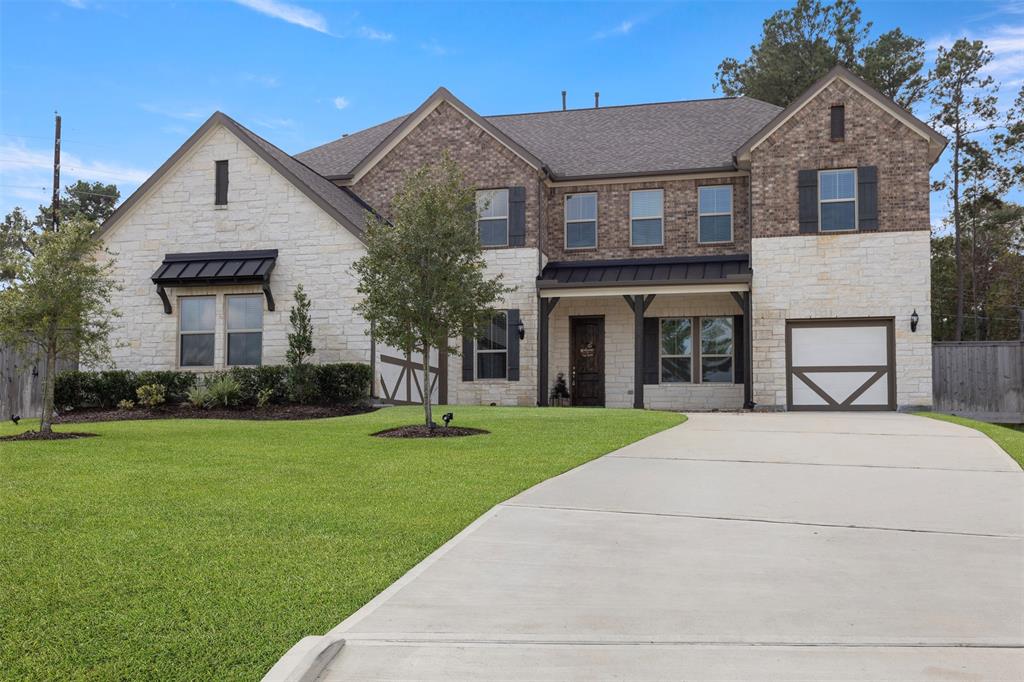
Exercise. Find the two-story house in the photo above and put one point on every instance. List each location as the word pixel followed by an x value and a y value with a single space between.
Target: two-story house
pixel 705 254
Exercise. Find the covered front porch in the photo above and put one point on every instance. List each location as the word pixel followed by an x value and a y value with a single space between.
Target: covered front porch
pixel 667 334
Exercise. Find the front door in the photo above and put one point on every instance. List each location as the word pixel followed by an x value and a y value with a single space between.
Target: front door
pixel 586 353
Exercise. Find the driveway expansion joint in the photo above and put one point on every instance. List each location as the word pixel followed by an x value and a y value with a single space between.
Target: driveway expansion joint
pixel 811 464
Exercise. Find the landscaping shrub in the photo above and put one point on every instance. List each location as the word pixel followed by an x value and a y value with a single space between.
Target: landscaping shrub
pixel 302 384
pixel 151 395
pixel 126 405
pixel 176 384
pixel 199 396
pixel 254 381
pixel 224 391
pixel 343 383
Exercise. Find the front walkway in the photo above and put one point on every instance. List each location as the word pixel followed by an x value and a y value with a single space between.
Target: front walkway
pixel 739 547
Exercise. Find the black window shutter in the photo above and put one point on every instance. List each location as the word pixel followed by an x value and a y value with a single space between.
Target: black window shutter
pixel 513 344
pixel 838 122
pixel 221 198
pixel 467 358
pixel 867 198
pixel 517 216
pixel 652 329
pixel 807 186
pixel 738 347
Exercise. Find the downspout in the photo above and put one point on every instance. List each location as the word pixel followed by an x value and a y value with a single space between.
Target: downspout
pixel 541 244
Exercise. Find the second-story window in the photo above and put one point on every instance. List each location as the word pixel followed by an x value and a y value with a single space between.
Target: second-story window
pixel 492 216
pixel 221 190
pixel 646 217
pixel 837 200
pixel 580 221
pixel 715 214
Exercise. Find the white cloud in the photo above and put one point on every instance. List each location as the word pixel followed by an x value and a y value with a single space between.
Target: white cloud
pixel 191 114
pixel 620 29
pixel 77 4
pixel 374 34
pixel 293 14
pixel 435 48
pixel 265 81
pixel 275 123
pixel 340 103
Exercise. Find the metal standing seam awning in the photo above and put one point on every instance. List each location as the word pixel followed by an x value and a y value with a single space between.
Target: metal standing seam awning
pixel 215 268
pixel 699 274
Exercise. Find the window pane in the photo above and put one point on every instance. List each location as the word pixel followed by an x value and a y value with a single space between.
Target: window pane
pixel 647 231
pixel 715 228
pixel 716 335
pixel 198 314
pixel 675 370
pixel 716 199
pixel 645 203
pixel 578 235
pixel 837 216
pixel 245 349
pixel 196 350
pixel 581 207
pixel 495 335
pixel 492 203
pixel 490 365
pixel 714 370
pixel 676 336
pixel 494 232
pixel 837 184
pixel 245 312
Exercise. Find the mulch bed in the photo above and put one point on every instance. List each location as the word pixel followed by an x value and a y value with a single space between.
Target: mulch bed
pixel 270 412
pixel 56 435
pixel 426 432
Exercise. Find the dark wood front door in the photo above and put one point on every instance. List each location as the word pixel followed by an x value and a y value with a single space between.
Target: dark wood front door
pixel 586 353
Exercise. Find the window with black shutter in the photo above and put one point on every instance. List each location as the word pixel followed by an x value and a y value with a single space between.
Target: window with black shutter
pixel 221 193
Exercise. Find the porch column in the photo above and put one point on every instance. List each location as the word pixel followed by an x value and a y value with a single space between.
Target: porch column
pixel 638 352
pixel 743 300
pixel 544 309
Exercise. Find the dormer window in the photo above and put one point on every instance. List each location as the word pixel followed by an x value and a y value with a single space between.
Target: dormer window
pixel 221 190
pixel 838 122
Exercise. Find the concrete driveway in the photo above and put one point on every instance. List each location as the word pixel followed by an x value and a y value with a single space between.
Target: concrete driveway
pixel 735 547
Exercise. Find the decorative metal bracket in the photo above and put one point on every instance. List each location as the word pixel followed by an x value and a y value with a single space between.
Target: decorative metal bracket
pixel 269 295
pixel 163 297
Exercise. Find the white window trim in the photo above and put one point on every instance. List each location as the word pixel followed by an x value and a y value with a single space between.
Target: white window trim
pixel 732 365
pixel 228 331
pixel 660 217
pixel 181 333
pixel 732 220
pixel 565 215
pixel 495 217
pixel 661 327
pixel 855 200
pixel 477 351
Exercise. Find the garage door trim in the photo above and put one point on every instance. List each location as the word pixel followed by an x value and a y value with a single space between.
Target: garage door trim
pixel 878 371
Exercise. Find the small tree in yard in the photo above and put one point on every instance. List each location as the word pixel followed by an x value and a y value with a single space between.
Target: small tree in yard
pixel 56 299
pixel 300 347
pixel 423 278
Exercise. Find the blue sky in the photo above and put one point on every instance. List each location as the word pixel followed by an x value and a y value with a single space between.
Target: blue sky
pixel 132 80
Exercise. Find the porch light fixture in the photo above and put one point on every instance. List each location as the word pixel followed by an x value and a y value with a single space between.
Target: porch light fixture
pixel 521 329
pixel 913 320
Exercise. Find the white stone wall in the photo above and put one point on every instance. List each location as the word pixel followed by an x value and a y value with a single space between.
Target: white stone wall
pixel 878 274
pixel 519 267
pixel 264 211
pixel 619 350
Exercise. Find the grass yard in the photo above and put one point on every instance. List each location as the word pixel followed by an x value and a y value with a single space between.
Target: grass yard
pixel 202 550
pixel 1009 438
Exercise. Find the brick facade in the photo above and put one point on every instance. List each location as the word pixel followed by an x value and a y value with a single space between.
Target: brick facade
pixel 874 137
pixel 680 220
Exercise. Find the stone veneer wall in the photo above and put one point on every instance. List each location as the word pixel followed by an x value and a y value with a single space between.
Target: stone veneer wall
pixel 835 276
pixel 619 350
pixel 264 211
pixel 680 221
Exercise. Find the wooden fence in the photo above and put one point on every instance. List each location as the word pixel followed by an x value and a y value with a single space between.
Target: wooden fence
pixel 21 383
pixel 980 379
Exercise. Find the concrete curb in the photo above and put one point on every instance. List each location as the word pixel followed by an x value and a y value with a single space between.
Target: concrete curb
pixel 306 660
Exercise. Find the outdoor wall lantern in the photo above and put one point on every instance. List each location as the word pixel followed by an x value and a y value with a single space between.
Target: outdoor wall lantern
pixel 522 330
pixel 913 320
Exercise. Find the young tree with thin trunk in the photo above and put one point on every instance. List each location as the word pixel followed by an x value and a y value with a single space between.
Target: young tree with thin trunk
pixel 423 278
pixel 965 104
pixel 58 301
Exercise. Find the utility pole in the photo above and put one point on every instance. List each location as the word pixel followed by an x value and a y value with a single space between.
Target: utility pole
pixel 55 206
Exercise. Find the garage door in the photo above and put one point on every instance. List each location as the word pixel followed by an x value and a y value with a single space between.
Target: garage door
pixel 840 364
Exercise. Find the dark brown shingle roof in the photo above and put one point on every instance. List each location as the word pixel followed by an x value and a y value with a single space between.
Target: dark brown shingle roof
pixel 609 141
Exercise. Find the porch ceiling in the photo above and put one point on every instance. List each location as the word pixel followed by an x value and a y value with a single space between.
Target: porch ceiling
pixel 708 274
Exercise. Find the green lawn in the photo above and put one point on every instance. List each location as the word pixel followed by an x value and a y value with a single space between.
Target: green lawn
pixel 1009 438
pixel 202 550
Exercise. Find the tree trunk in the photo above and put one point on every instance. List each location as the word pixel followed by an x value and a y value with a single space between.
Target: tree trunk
pixel 49 381
pixel 958 334
pixel 425 386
